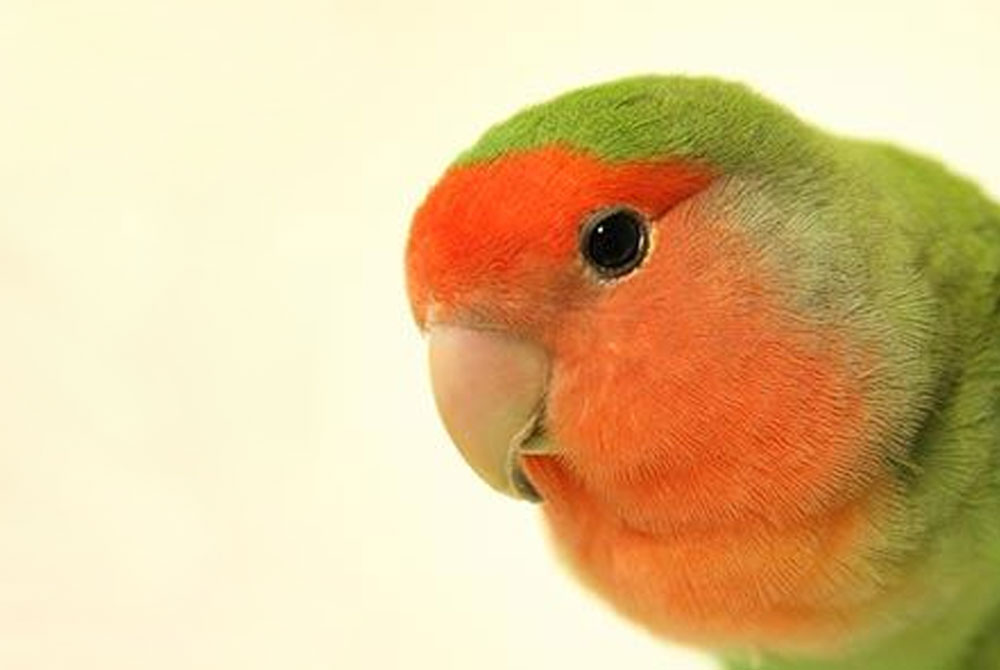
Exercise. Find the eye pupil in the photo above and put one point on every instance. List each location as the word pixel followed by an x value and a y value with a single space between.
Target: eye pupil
pixel 614 241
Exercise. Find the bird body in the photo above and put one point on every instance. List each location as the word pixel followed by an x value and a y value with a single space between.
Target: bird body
pixel 750 368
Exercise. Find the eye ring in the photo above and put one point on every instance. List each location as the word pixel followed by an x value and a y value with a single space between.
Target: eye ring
pixel 614 240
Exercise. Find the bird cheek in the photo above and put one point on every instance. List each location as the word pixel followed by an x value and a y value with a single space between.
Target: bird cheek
pixel 595 444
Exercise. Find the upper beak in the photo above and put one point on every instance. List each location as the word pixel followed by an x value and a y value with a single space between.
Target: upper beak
pixel 490 390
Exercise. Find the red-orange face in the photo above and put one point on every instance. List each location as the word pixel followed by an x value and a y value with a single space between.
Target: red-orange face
pixel 703 459
pixel 498 242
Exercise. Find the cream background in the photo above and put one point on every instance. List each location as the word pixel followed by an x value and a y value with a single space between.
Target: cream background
pixel 217 445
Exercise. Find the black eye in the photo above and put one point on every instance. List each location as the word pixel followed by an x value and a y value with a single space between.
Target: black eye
pixel 613 241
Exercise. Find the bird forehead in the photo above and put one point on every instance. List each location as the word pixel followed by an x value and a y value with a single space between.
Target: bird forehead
pixel 496 221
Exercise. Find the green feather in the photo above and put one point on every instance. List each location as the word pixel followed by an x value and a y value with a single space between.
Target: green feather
pixel 885 245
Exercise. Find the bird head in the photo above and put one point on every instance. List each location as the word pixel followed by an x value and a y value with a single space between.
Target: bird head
pixel 650 306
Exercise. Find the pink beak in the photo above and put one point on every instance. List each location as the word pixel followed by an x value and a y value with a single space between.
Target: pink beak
pixel 490 389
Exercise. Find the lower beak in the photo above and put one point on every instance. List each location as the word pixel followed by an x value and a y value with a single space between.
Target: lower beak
pixel 489 388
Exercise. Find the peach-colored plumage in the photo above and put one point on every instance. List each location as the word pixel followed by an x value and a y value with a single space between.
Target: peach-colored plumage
pixel 753 528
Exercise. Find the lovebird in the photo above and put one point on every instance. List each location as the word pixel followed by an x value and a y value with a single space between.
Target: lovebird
pixel 749 370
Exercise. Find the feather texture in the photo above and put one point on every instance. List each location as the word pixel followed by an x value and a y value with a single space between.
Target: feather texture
pixel 780 437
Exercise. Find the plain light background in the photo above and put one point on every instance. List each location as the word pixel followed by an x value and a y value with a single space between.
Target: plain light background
pixel 217 443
